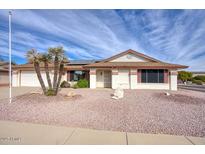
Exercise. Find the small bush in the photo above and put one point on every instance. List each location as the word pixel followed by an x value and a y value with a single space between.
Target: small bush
pixel 200 77
pixel 198 82
pixel 50 92
pixel 75 86
pixel 82 83
pixel 65 84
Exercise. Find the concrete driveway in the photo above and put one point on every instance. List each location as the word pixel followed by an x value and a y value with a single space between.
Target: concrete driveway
pixel 16 91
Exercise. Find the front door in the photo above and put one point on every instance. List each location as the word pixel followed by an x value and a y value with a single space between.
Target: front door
pixel 103 78
pixel 107 79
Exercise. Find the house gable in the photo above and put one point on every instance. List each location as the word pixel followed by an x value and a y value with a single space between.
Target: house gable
pixel 130 58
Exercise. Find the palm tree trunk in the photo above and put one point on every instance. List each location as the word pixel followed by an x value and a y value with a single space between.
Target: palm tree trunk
pixel 59 77
pixel 38 72
pixel 56 63
pixel 47 75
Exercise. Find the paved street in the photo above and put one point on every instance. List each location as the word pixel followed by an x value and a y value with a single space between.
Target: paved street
pixel 27 133
pixel 193 87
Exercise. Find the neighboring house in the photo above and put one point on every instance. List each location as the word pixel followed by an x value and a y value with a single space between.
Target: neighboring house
pixel 198 73
pixel 4 74
pixel 128 70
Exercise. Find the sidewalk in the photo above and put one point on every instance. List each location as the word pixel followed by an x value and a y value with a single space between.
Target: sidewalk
pixel 27 133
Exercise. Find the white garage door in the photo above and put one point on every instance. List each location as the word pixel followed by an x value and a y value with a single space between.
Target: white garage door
pixel 30 79
pixel 124 79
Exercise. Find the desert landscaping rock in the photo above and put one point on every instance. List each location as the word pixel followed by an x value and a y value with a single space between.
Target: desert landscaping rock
pixel 143 111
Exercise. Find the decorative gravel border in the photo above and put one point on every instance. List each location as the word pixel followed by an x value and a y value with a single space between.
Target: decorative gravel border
pixel 143 111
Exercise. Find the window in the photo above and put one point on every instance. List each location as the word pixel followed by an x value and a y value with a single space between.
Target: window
pixel 152 76
pixel 77 75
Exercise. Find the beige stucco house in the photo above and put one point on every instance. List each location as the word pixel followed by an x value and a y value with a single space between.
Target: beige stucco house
pixel 128 70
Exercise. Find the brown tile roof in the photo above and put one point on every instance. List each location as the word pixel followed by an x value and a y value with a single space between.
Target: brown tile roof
pixel 31 67
pixel 28 67
pixel 135 65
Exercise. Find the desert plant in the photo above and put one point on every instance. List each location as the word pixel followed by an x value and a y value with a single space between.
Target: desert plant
pixel 184 76
pixel 61 71
pixel 50 92
pixel 58 59
pixel 198 82
pixel 65 84
pixel 75 86
pixel 34 57
pixel 82 83
pixel 55 56
pixel 46 59
pixel 200 77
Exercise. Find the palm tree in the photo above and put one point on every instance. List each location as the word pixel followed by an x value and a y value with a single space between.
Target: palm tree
pixel 46 59
pixel 34 57
pixel 58 55
pixel 61 71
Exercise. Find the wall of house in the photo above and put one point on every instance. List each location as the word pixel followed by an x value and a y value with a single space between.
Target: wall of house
pixel 173 80
pixel 114 78
pixel 4 78
pixel 92 78
pixel 15 78
pixel 133 78
pixel 134 83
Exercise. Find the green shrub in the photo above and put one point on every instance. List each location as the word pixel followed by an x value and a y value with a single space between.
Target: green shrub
pixel 184 76
pixel 50 92
pixel 198 82
pixel 82 83
pixel 200 77
pixel 65 84
pixel 75 86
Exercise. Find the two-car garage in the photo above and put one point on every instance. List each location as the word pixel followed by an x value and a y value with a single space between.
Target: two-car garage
pixel 28 76
pixel 28 79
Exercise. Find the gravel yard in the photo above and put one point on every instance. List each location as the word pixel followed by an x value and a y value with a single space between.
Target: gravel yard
pixel 143 111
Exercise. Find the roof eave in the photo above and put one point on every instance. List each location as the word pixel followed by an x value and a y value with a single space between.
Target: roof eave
pixel 139 67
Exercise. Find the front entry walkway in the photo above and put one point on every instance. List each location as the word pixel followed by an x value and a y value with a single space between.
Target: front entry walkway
pixel 27 133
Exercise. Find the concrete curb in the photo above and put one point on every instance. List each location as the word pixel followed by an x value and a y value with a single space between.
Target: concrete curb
pixel 29 134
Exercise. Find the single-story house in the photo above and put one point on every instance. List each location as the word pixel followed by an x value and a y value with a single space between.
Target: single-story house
pixel 128 70
pixel 4 74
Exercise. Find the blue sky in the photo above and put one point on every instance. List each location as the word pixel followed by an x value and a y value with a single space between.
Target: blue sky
pixel 175 36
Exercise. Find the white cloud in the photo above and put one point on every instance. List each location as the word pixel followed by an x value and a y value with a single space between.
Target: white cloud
pixel 88 34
